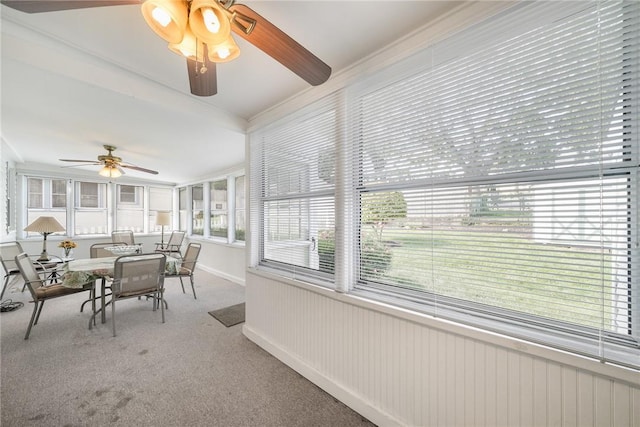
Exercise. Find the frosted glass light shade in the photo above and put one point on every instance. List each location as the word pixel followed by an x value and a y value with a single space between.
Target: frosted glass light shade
pixel 110 172
pixel 168 18
pixel 203 26
pixel 225 51
pixel 189 47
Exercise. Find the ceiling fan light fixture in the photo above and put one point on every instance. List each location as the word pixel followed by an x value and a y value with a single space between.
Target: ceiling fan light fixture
pixel 225 51
pixel 209 21
pixel 189 47
pixel 168 18
pixel 110 171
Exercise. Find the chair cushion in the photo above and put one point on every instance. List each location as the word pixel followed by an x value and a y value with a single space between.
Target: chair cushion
pixel 53 291
pixel 184 271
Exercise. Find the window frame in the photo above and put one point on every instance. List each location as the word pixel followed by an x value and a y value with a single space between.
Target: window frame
pixel 619 349
pixel 107 203
pixel 186 209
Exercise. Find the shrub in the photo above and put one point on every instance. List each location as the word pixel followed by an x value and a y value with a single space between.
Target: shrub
pixel 376 256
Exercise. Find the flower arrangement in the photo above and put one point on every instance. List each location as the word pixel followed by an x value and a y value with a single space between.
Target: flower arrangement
pixel 67 245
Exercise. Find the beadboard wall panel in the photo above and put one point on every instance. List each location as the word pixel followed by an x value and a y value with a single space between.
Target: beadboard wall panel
pixel 397 371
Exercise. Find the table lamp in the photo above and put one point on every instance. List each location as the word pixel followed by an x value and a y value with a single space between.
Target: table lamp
pixel 163 218
pixel 44 225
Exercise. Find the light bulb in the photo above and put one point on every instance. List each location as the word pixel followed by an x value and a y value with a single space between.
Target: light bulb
pixel 210 20
pixel 161 16
pixel 224 52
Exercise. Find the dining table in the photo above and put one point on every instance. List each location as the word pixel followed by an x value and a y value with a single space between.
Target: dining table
pixel 79 272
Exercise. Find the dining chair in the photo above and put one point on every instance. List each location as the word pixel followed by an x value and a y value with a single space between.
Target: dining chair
pixel 40 291
pixel 173 246
pixel 135 276
pixel 97 250
pixel 188 266
pixel 126 237
pixel 8 253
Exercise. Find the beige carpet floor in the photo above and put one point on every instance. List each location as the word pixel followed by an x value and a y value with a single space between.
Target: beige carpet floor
pixel 189 371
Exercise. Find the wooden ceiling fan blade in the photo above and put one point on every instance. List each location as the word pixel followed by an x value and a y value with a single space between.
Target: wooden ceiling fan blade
pixel 277 44
pixel 137 168
pixel 93 162
pixel 40 6
pixel 202 83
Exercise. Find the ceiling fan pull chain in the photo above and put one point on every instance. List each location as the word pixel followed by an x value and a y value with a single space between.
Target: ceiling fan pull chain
pixel 203 69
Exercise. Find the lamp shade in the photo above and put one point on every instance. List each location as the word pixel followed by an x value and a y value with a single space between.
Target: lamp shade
pixel 44 224
pixel 163 218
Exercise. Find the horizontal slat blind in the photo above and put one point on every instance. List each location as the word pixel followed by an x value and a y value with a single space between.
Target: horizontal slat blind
pixel 499 183
pixel 296 163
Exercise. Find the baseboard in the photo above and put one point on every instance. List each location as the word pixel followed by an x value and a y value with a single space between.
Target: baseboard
pixel 342 394
pixel 234 279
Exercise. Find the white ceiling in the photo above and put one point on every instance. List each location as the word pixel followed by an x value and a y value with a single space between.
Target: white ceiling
pixel 75 80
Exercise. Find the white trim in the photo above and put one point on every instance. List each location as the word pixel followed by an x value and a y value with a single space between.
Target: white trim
pixel 229 277
pixel 353 401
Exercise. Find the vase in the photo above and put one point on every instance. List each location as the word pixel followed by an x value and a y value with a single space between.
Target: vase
pixel 67 252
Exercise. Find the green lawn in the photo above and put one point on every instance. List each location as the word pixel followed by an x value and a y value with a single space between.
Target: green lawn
pixel 525 279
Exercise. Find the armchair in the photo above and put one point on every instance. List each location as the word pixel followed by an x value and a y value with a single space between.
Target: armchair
pixel 135 276
pixel 39 291
pixel 173 246
pixel 8 252
pixel 126 237
pixel 188 266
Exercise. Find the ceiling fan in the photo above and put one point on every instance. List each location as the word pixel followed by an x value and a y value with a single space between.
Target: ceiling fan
pixel 200 30
pixel 112 165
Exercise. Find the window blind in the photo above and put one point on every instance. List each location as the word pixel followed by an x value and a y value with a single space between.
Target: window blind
pixel 497 177
pixel 295 162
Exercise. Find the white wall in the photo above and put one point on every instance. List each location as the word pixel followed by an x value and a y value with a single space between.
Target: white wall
pixel 224 260
pixel 401 368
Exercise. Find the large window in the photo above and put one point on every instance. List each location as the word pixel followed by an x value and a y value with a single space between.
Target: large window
pixel 296 201
pixel 183 206
pixel 95 208
pixel 215 208
pixel 219 208
pixel 46 197
pixel 240 224
pixel 197 209
pixel 130 208
pixel 491 179
pixel 91 208
pixel 160 199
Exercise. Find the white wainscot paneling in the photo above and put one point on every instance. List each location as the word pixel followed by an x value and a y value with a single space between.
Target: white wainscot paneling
pixel 397 371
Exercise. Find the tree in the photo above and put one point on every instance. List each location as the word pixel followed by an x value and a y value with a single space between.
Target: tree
pixel 379 209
